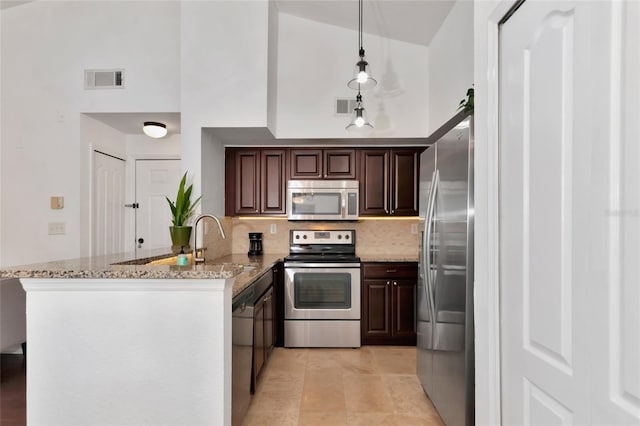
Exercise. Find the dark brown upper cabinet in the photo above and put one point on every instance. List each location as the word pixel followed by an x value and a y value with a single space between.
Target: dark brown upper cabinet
pixel 389 181
pixel 309 163
pixel 255 181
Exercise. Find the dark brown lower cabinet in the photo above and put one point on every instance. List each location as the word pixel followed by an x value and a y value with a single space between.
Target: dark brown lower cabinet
pixel 263 324
pixel 262 330
pixel 389 303
pixel 278 297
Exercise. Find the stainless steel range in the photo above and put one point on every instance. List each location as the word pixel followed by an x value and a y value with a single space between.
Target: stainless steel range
pixel 322 290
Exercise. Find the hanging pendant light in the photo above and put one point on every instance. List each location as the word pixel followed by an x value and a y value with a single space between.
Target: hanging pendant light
pixel 359 118
pixel 362 79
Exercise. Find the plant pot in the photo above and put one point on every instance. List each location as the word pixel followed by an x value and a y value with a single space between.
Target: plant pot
pixel 180 237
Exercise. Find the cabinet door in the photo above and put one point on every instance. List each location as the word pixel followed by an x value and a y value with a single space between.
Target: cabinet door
pixel 374 182
pixel 404 309
pixel 247 180
pixel 258 339
pixel 404 182
pixel 339 163
pixel 273 182
pixel 278 297
pixel 305 164
pixel 376 305
pixel 269 308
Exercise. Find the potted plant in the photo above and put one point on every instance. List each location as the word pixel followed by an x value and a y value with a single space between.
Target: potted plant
pixel 181 210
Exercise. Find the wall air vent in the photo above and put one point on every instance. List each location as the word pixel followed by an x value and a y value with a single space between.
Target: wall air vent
pixel 104 79
pixel 344 106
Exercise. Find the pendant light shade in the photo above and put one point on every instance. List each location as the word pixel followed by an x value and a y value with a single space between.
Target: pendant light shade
pixel 362 78
pixel 154 130
pixel 359 118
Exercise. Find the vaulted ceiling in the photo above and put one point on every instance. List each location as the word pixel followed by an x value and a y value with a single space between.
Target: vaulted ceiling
pixel 413 21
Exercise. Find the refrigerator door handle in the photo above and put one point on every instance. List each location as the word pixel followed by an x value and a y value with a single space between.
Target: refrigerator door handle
pixel 427 247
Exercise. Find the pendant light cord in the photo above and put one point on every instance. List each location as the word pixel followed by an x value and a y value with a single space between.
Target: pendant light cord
pixel 360 23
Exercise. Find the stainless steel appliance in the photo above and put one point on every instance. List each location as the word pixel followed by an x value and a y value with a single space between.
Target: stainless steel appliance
pixel 322 199
pixel 241 354
pixel 445 360
pixel 322 290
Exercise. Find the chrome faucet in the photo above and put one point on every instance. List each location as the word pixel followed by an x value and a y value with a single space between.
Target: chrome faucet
pixel 200 259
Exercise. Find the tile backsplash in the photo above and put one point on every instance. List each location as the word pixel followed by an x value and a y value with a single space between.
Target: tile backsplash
pixel 373 237
pixel 215 245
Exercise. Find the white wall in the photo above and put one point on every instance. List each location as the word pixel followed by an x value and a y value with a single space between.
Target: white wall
pixel 272 69
pixel 450 64
pixel 212 175
pixel 223 71
pixel 45 48
pixel 315 62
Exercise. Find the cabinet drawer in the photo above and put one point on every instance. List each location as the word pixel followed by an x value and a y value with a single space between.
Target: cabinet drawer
pixel 389 270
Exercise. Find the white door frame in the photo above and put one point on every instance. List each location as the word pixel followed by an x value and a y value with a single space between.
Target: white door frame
pixel 486 222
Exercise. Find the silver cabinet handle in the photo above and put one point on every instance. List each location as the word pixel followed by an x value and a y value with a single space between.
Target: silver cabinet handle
pixel 391 271
pixel 266 299
pixel 395 283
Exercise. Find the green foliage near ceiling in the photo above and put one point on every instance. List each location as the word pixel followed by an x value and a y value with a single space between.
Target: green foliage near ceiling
pixel 467 104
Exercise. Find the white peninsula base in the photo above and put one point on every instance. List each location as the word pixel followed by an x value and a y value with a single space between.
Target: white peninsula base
pixel 128 351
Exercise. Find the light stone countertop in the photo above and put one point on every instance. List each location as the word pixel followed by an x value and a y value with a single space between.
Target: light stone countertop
pixel 258 264
pixel 135 266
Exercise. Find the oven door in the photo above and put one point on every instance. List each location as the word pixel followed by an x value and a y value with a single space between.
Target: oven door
pixel 322 291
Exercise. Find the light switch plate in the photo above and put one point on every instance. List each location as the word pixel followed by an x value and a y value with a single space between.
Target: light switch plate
pixel 57 228
pixel 273 228
pixel 414 228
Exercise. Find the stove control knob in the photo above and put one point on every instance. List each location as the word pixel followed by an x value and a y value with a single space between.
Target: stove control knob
pixel 304 237
pixel 339 236
pixel 297 236
pixel 346 237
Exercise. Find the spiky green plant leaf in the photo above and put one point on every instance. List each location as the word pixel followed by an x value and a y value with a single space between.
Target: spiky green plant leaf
pixel 182 209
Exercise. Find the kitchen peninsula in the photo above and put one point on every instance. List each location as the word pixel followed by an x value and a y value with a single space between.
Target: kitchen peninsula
pixel 120 340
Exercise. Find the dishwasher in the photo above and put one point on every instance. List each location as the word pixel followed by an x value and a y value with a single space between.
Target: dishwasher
pixel 241 354
pixel 245 351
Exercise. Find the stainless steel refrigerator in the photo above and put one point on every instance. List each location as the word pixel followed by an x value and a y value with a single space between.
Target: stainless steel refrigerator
pixel 445 357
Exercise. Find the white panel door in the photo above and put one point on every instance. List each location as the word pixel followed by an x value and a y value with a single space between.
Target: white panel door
pixel 569 221
pixel 155 179
pixel 108 204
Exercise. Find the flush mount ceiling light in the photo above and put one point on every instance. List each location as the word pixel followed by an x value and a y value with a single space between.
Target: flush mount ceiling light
pixel 154 130
pixel 362 78
pixel 359 117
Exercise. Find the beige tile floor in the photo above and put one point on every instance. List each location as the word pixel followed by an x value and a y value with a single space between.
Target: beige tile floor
pixel 373 385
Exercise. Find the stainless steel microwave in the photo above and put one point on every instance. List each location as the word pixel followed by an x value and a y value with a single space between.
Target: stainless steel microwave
pixel 322 199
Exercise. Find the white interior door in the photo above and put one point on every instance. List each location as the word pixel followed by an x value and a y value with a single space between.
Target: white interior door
pixel 569 221
pixel 155 179
pixel 108 204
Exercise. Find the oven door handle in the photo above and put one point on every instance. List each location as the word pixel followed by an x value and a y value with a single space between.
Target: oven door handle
pixel 302 265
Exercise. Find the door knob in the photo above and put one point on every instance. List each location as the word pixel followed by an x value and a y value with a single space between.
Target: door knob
pixel 140 241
